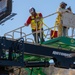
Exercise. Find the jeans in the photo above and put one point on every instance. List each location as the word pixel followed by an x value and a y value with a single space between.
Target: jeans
pixel 38 38
pixel 65 31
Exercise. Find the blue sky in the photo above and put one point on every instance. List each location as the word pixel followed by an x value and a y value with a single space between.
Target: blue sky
pixel 21 7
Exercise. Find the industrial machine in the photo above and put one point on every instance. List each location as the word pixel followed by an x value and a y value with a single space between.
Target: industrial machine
pixel 21 53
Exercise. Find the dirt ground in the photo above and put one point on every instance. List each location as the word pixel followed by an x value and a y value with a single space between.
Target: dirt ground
pixel 58 71
pixel 18 72
pixel 50 71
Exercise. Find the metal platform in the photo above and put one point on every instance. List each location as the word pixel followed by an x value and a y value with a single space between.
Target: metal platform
pixel 18 47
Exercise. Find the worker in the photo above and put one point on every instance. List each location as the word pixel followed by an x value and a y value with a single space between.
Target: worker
pixel 36 22
pixel 62 30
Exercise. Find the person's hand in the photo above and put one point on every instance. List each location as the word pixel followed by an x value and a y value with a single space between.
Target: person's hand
pixel 69 8
pixel 38 19
pixel 25 24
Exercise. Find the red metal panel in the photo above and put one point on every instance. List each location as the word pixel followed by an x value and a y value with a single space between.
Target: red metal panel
pixel 54 34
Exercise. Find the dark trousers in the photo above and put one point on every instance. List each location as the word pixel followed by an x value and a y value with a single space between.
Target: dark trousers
pixel 38 38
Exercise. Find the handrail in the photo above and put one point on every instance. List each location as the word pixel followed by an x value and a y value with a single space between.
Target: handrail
pixel 23 34
pixel 7 34
pixel 13 31
pixel 50 15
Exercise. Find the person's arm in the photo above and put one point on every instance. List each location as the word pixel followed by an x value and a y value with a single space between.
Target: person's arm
pixel 60 10
pixel 28 21
pixel 40 14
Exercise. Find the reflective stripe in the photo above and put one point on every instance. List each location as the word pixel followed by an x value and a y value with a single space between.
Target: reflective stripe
pixel 59 24
pixel 34 23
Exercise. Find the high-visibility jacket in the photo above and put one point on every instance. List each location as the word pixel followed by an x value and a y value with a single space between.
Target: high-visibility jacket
pixel 58 19
pixel 36 24
pixel 59 24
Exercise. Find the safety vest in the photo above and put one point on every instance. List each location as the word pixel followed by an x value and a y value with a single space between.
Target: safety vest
pixel 58 19
pixel 59 24
pixel 36 25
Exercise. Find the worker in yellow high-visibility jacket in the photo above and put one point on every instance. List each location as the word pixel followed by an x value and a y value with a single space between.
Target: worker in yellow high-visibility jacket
pixel 36 22
pixel 62 30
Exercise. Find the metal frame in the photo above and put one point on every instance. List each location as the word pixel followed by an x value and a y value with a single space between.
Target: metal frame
pixel 60 56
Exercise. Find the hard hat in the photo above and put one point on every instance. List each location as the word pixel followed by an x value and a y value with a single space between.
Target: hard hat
pixel 31 10
pixel 63 3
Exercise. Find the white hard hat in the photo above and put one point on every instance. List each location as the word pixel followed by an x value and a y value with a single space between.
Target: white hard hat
pixel 32 9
